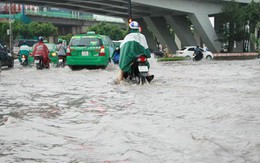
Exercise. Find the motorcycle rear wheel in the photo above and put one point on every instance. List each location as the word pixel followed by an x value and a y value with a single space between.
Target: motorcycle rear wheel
pixel 38 66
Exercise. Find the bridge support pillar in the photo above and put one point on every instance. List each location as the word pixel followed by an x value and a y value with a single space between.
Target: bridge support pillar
pixel 204 28
pixel 181 27
pixel 76 29
pixel 148 35
pixel 159 28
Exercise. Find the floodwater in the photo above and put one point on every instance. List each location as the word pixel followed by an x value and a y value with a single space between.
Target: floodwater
pixel 192 112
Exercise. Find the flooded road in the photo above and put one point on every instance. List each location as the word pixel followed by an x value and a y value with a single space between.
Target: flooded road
pixel 199 112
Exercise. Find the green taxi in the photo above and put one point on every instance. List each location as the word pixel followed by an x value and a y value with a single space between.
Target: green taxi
pixel 89 49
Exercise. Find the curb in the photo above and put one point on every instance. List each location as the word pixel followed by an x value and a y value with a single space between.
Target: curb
pixel 233 56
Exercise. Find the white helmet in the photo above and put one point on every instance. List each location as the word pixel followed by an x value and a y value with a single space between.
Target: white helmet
pixel 134 25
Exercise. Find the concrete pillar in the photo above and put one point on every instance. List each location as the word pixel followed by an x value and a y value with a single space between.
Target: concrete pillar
pixel 149 37
pixel 206 31
pixel 177 41
pixel 77 29
pixel 80 29
pixel 74 30
pixel 181 27
pixel 159 28
pixel 51 39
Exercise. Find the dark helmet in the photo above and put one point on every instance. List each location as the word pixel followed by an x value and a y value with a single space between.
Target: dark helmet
pixel 40 39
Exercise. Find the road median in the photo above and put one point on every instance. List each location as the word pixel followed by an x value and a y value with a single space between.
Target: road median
pixel 231 56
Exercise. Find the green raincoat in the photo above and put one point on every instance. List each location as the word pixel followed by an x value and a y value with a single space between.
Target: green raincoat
pixel 133 45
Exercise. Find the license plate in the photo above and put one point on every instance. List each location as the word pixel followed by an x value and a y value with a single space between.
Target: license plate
pixel 60 60
pixel 84 53
pixel 37 61
pixel 143 68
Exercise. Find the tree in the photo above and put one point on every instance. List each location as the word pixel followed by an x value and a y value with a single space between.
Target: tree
pixel 42 29
pixel 232 18
pixel 3 31
pixel 253 16
pixel 66 37
pixel 239 23
pixel 111 30
pixel 21 29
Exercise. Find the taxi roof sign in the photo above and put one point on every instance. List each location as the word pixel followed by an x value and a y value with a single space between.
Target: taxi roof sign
pixel 91 33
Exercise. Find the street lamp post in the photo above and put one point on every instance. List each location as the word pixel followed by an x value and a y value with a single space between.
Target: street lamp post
pixel 129 11
pixel 10 30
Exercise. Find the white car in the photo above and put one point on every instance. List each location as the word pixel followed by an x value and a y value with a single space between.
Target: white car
pixel 188 52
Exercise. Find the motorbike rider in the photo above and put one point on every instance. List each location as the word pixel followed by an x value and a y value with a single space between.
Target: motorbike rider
pixel 23 50
pixel 41 49
pixel 133 45
pixel 61 48
pixel 24 46
pixel 198 53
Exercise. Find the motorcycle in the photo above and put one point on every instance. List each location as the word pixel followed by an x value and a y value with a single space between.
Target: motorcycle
pixel 61 61
pixel 116 55
pixel 158 54
pixel 197 57
pixel 38 60
pixel 139 70
pixel 24 61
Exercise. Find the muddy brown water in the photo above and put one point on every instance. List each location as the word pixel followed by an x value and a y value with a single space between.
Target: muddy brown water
pixel 206 111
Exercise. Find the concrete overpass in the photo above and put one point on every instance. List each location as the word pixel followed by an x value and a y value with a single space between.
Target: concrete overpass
pixel 155 15
pixel 67 25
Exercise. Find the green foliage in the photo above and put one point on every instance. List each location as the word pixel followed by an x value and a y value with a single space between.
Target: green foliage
pixel 42 29
pixel 172 59
pixel 234 17
pixel 66 37
pixel 21 29
pixel 233 24
pixel 3 31
pixel 252 13
pixel 111 30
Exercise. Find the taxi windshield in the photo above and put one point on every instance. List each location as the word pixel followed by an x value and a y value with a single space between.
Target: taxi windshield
pixel 85 41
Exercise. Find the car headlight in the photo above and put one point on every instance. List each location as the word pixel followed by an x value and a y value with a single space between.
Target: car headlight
pixel 54 54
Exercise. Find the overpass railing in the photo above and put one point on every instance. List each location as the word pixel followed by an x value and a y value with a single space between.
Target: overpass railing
pixel 65 15
pixel 85 16
pixel 59 15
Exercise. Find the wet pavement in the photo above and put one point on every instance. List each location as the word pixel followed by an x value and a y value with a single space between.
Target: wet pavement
pixel 199 112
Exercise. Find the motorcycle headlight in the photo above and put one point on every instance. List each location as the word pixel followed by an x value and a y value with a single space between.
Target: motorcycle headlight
pixel 53 54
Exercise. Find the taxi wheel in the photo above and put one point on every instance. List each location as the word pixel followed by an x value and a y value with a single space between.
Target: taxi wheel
pixel 103 67
pixel 72 67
